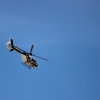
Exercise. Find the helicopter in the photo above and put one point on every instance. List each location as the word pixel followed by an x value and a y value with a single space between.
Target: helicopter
pixel 27 58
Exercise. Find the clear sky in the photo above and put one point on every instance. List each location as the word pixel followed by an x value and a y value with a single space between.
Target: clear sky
pixel 67 32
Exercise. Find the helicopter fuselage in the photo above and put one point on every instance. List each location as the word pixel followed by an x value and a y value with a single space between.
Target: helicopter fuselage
pixel 26 57
pixel 29 60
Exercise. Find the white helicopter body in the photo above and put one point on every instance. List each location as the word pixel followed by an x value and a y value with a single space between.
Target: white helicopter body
pixel 27 59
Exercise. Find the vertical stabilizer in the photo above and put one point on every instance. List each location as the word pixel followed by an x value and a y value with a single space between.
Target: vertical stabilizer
pixel 10 45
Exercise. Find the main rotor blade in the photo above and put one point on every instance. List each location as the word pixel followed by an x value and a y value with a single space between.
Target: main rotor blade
pixel 31 49
pixel 41 58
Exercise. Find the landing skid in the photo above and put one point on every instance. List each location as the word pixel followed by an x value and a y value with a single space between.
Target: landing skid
pixel 26 65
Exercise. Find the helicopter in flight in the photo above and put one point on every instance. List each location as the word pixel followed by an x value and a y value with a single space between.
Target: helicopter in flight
pixel 27 58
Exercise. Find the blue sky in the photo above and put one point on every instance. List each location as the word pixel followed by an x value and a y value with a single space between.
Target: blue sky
pixel 67 32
